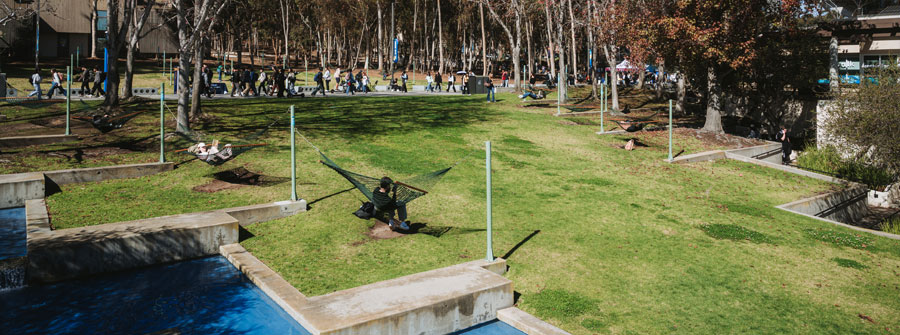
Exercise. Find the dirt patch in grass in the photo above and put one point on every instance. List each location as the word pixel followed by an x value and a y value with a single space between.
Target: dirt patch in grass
pixel 378 231
pixel 236 178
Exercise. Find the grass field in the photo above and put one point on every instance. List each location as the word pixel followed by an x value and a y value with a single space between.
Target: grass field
pixel 599 240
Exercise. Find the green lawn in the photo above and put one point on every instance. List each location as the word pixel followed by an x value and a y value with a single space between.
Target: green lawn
pixel 622 242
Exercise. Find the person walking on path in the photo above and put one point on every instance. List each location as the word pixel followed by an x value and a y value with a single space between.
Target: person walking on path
pixel 292 82
pixel 349 84
pixel 263 78
pixel 404 77
pixel 358 78
pixel 365 83
pixel 429 82
pixel 99 76
pixel 280 79
pixel 785 139
pixel 85 79
pixel 320 86
pixel 56 83
pixel 326 77
pixel 36 82
pixel 505 77
pixel 236 83
pixel 489 85
pixel 337 79
pixel 465 84
pixel 438 81
pixel 451 80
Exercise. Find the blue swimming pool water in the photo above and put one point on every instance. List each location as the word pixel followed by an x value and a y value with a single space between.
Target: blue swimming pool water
pixel 203 296
pixel 495 327
pixel 13 238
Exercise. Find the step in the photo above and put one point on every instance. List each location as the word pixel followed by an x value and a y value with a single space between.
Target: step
pixel 433 302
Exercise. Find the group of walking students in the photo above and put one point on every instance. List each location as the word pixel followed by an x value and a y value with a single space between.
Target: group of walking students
pixel 57 79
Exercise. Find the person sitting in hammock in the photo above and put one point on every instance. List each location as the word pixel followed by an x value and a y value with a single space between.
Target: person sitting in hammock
pixel 212 153
pixel 385 202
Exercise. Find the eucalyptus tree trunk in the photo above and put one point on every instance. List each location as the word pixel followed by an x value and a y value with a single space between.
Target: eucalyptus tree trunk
pixel 713 102
pixel 574 61
pixel 552 51
pixel 483 41
pixel 610 51
pixel 440 39
pixel 562 90
pixel 379 46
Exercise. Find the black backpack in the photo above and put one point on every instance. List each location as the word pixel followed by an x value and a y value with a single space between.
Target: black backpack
pixel 366 211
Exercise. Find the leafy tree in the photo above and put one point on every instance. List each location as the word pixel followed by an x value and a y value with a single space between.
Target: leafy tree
pixel 867 119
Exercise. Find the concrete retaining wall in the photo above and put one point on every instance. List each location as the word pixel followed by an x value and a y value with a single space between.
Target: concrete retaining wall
pixel 16 189
pixel 24 141
pixel 432 302
pixel 249 215
pixel 69 253
pixel 102 173
pixel 700 157
pixel 770 152
pixel 843 206
pixel 527 323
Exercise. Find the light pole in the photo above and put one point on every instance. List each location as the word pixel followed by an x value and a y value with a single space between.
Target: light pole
pixel 37 34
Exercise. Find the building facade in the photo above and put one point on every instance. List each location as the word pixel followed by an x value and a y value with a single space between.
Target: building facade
pixel 65 28
pixel 866 37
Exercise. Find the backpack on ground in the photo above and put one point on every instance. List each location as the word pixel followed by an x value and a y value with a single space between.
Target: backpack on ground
pixel 366 211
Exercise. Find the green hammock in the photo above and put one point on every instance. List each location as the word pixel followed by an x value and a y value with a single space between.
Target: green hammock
pixel 107 124
pixel 406 191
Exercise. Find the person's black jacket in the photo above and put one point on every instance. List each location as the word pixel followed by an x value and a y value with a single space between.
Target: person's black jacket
pixel 384 201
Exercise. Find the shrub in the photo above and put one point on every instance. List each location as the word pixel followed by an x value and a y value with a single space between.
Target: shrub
pixel 827 160
pixel 891 225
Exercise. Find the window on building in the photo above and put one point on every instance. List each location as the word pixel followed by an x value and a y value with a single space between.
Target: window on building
pixel 101 20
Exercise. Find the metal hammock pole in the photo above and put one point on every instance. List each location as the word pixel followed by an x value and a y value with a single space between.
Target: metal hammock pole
pixel 162 119
pixel 487 161
pixel 68 95
pixel 293 160
pixel 670 130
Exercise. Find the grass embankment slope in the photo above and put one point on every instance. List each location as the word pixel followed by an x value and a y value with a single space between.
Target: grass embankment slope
pixel 627 244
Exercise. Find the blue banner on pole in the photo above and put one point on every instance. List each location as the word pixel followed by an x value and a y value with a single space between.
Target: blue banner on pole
pixel 396 50
pixel 105 67
pixel 590 58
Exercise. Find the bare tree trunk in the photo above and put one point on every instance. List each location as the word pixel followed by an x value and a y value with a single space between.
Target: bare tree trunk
pixel 137 25
pixel 379 46
pixel 681 94
pixel 529 29
pixel 713 102
pixel 610 52
pixel 590 33
pixel 660 79
pixel 286 28
pixel 552 50
pixel 641 76
pixel 440 39
pixel 484 63
pixel 562 90
pixel 574 61
pixel 93 29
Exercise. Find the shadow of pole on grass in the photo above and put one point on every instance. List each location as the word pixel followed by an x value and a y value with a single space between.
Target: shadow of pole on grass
pixel 509 253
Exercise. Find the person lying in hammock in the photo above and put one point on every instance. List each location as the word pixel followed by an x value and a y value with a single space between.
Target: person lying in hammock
pixel 211 153
pixel 385 202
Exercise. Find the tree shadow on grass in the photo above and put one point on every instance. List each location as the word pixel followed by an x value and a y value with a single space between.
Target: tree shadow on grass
pixel 349 117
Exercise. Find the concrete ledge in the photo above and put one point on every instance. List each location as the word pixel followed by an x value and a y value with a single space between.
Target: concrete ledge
pixel 433 302
pixel 17 188
pixel 861 229
pixel 37 219
pixel 95 174
pixel 285 295
pixel 769 152
pixel 611 132
pixel 249 215
pixel 700 157
pixel 24 141
pixel 68 253
pixel 527 323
